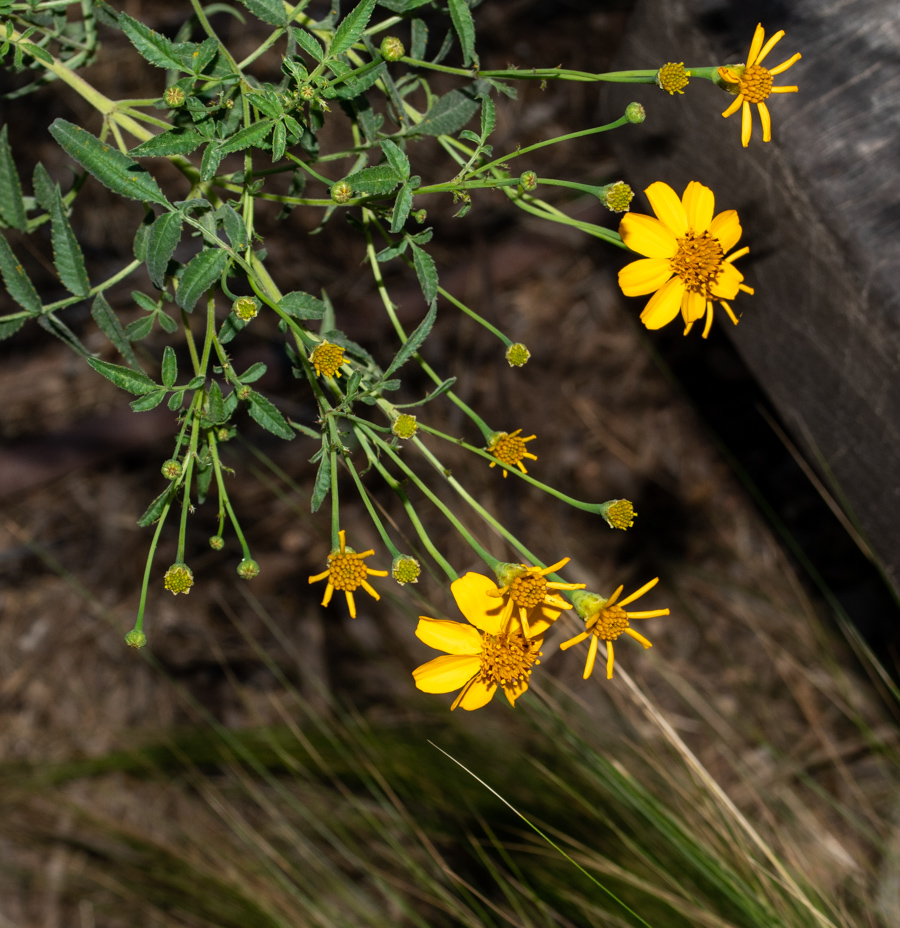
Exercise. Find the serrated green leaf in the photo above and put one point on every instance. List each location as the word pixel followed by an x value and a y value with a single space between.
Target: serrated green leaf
pixel 109 324
pixel 165 234
pixel 265 413
pixel 141 234
pixel 488 115
pixel 201 273
pixel 166 322
pixel 356 86
pixel 18 283
pixel 144 301
pixel 43 186
pixel 426 271
pixel 235 228
pixel 391 252
pixel 269 11
pixel 412 344
pixel 402 206
pixel 403 6
pixel 373 182
pixel 302 305
pixel 204 477
pixel 229 328
pixel 212 158
pixel 351 28
pixel 110 167
pixel 180 141
pixel 418 33
pixel 139 329
pixel 149 401
pixel 12 204
pixel 67 254
pixel 216 412
pixel 136 382
pixel 196 56
pixel 396 158
pixel 323 478
pixel 253 373
pixel 152 46
pixel 246 137
pixel 169 373
pixel 155 509
pixel 440 389
pixel 465 29
pixel 448 115
pixel 309 43
pixel 279 141
pixel 266 102
pixel 10 327
pixel 57 327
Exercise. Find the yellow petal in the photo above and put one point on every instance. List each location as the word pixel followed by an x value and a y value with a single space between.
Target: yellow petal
pixel 693 306
pixel 647 236
pixel 645 276
pixel 482 610
pixel 746 124
pixel 756 44
pixel 668 208
pixel 728 284
pixel 664 304
pixel 452 637
pixel 773 41
pixel 735 105
pixel 477 695
pixel 766 120
pixel 726 229
pixel 637 594
pixel 781 68
pixel 514 690
pixel 699 204
pixel 446 673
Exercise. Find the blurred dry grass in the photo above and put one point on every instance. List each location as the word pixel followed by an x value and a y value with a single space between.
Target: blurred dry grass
pixel 772 704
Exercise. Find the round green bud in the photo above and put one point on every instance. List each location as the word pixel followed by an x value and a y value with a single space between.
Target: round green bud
pixel 405 569
pixel 171 469
pixel 179 579
pixel 635 113
pixel 135 639
pixel 248 569
pixel 341 192
pixel 229 104
pixel 307 92
pixel 517 355
pixel 217 542
pixel 404 426
pixel 245 308
pixel 392 48
pixel 420 215
pixel 244 392
pixel 528 181
pixel 617 197
pixel 223 434
pixel 174 96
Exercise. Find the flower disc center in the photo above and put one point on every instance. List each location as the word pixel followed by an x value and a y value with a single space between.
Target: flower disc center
pixel 345 571
pixel 698 261
pixel 507 658
pixel 756 83
pixel 611 622
pixel 510 449
pixel 528 590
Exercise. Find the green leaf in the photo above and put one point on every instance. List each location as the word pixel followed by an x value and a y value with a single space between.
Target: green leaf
pixel 302 305
pixel 418 32
pixel 175 400
pixel 253 373
pixel 246 137
pixel 57 327
pixel 12 204
pixel 180 141
pixel 269 11
pixel 10 327
pixel 426 271
pixel 155 509
pixel 488 115
pixel 266 102
pixel 139 328
pixel 18 283
pixel 338 337
pixel 212 158
pixel 279 141
pixel 141 234
pixel 396 158
pixel 152 46
pixel 373 182
pixel 169 367
pixel 43 186
pixel 414 342
pixel 148 401
pixel 448 115
pixel 201 273
pixel 351 28
pixel 235 228
pixel 309 43
pixel 195 382
pixel 110 167
pixel 136 382
pixel 356 86
pixel 402 206
pixel 67 254
pixel 144 301
pixel 323 478
pixel 37 52
pixel 216 412
pixel 165 233
pixel 436 392
pixel 465 29
pixel 109 324
pixel 263 412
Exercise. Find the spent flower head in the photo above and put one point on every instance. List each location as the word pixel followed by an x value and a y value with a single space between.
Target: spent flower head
pixel 509 448
pixel 347 571
pixel 606 620
pixel 517 355
pixel 341 192
pixel 216 542
pixel 136 638
pixel 404 426
pixel 392 48
pixel 248 569
pixel 245 308
pixel 171 469
pixel 327 359
pixel 616 197
pixel 753 83
pixel 405 569
pixel 174 96
pixel 179 578
pixel 684 265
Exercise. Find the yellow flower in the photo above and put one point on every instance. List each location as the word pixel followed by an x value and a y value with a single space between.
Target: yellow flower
pixel 607 619
pixel 753 83
pixel 672 77
pixel 509 448
pixel 327 359
pixel 346 571
pixel 528 588
pixel 483 655
pixel 685 265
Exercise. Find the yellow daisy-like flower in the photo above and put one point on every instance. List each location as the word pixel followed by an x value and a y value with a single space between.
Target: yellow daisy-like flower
pixel 529 589
pixel 327 359
pixel 346 571
pixel 509 448
pixel 684 265
pixel 482 656
pixel 673 77
pixel 607 620
pixel 753 83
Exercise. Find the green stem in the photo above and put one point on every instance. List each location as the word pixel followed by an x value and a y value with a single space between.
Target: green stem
pixel 188 470
pixel 373 515
pixel 471 313
pixel 139 622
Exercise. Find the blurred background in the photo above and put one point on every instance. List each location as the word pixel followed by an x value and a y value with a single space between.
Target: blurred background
pixel 268 762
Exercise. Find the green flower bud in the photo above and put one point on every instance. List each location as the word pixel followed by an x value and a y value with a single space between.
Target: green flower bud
pixel 307 92
pixel 171 469
pixel 179 579
pixel 616 197
pixel 245 307
pixel 174 96
pixel 635 113
pixel 223 434
pixel 217 542
pixel 135 639
pixel 248 569
pixel 341 192
pixel 405 569
pixel 244 392
pixel 392 48
pixel 619 513
pixel 517 355
pixel 420 215
pixel 404 426
pixel 586 604
pixel 528 181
